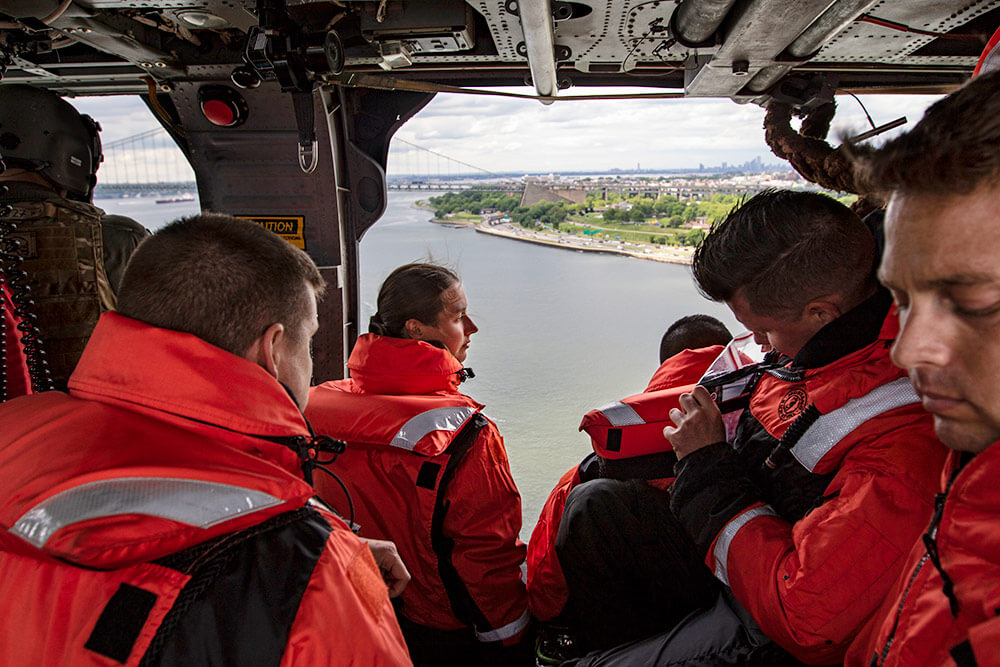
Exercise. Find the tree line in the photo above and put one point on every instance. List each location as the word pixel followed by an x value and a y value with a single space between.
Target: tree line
pixel 637 219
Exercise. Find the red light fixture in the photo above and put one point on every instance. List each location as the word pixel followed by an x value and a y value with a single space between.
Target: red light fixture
pixel 222 106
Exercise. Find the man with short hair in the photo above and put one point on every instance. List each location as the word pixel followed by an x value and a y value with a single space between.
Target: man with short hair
pixel 158 513
pixel 940 263
pixel 692 332
pixel 804 510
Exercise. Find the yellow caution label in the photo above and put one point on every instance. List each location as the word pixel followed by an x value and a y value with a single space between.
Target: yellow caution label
pixel 288 227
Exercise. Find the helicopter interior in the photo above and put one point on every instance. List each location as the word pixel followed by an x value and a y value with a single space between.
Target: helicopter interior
pixel 285 107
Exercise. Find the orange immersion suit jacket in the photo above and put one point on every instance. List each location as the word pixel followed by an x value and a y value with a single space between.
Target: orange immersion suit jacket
pixel 945 608
pixel 153 511
pixel 447 501
pixel 812 547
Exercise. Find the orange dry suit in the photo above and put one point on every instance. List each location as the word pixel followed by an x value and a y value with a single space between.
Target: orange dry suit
pixel 629 428
pixel 945 608
pixel 810 539
pixel 155 515
pixel 427 470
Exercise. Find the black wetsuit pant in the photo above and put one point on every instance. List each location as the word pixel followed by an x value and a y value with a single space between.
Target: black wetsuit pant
pixel 638 592
pixel 630 569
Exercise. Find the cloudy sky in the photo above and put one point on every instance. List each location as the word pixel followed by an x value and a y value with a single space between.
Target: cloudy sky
pixel 511 135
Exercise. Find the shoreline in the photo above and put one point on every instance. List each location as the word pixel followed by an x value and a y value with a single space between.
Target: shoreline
pixel 674 255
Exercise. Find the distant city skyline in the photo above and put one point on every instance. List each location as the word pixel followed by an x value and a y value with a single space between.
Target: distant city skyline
pixel 511 136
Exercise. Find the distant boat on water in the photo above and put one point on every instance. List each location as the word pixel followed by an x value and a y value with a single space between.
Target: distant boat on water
pixel 174 200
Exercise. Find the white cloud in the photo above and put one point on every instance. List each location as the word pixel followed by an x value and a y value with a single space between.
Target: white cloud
pixel 120 116
pixel 504 134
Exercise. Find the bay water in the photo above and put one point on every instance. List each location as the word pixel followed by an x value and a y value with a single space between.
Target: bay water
pixel 561 331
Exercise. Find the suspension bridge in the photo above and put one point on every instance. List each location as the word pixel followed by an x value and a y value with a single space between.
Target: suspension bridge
pixel 150 162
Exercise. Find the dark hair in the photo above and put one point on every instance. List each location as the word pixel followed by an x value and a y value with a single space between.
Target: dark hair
pixel 953 149
pixel 784 249
pixel 219 278
pixel 691 332
pixel 412 291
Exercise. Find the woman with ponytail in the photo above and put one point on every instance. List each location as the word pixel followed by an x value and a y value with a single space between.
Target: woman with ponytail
pixel 426 469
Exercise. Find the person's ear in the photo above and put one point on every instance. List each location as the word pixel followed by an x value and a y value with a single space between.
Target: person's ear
pixel 823 311
pixel 265 351
pixel 413 328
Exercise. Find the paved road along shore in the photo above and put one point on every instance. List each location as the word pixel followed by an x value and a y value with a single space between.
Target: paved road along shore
pixel 657 253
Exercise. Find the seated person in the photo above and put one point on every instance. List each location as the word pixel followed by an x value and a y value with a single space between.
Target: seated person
pixel 50 156
pixel 942 244
pixel 692 332
pixel 805 512
pixel 146 519
pixel 638 452
pixel 426 469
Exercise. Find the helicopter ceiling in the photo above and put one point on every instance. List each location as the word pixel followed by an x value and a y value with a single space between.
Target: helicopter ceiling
pixel 747 50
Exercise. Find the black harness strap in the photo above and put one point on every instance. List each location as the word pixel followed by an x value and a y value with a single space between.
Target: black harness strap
pixel 462 604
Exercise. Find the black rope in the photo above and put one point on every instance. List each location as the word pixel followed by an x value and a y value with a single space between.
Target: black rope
pixel 20 296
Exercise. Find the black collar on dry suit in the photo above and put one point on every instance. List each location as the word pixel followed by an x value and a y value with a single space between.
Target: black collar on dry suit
pixel 855 329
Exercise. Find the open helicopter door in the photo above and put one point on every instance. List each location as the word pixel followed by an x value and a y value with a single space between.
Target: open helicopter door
pixel 242 145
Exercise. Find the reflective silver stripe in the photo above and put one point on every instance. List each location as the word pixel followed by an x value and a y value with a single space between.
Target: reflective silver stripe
pixel 619 414
pixel 721 551
pixel 834 426
pixel 506 631
pixel 194 502
pixel 438 419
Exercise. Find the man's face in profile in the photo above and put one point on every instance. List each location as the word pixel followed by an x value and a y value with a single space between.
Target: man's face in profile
pixel 941 264
pixel 787 336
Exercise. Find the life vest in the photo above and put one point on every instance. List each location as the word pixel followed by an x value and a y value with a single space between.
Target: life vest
pixel 61 245
pixel 161 526
pixel 633 426
pixel 401 454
